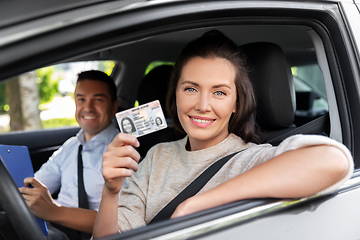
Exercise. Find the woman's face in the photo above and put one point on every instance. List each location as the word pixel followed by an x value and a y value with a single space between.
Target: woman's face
pixel 127 126
pixel 205 99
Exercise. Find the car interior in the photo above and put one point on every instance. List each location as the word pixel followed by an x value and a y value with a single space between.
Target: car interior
pixel 285 101
pixel 284 66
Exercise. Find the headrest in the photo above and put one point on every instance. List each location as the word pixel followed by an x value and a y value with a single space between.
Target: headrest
pixel 154 86
pixel 273 84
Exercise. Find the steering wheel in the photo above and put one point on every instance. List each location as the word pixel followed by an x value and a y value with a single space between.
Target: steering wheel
pixel 15 209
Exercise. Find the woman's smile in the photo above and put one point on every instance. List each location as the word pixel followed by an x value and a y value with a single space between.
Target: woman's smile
pixel 201 121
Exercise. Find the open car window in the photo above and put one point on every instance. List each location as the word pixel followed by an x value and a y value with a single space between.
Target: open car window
pixel 311 99
pixel 51 92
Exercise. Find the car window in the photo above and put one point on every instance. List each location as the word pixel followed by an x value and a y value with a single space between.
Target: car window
pixel 311 76
pixel 51 89
pixel 311 100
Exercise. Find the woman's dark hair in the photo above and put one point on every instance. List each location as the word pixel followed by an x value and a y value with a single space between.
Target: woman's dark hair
pixel 214 44
pixel 133 129
pixel 102 77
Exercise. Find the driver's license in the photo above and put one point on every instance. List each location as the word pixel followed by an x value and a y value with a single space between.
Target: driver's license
pixel 142 120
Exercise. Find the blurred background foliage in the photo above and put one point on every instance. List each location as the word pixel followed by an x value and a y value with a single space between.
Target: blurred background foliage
pixel 2 98
pixel 48 86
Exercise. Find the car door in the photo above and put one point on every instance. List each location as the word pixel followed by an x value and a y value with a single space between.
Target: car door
pixel 331 28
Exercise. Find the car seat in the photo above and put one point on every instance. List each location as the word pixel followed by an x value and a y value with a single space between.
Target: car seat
pixel 153 87
pixel 273 84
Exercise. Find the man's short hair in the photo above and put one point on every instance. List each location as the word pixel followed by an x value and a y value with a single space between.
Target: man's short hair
pixel 102 77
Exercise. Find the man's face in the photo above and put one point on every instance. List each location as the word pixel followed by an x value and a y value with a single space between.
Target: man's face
pixel 94 108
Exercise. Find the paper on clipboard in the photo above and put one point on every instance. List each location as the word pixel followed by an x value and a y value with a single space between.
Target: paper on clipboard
pixel 18 162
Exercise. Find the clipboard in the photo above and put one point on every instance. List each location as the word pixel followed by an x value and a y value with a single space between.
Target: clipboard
pixel 18 162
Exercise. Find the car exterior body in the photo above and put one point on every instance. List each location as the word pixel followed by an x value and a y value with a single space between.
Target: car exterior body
pixel 135 33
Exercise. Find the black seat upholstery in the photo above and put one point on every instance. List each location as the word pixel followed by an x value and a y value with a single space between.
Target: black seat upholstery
pixel 274 87
pixel 154 87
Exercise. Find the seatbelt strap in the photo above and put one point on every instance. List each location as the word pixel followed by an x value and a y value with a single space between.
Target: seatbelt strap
pixel 317 125
pixel 192 189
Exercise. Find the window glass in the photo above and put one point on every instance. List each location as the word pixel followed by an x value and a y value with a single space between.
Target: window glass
pixel 311 100
pixel 311 75
pixel 43 98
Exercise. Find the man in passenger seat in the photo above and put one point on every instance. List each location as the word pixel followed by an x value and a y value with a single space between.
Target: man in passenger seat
pixel 96 104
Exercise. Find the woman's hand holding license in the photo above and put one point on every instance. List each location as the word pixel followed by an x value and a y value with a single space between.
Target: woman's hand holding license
pixel 119 160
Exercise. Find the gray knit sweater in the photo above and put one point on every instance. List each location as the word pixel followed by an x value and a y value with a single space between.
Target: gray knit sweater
pixel 168 168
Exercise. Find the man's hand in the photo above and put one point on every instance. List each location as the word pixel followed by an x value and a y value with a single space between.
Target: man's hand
pixel 39 199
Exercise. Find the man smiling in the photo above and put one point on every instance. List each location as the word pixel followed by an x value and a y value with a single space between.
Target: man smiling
pixel 96 104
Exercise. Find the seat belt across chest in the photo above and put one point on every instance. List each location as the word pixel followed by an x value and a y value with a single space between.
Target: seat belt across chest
pixel 192 189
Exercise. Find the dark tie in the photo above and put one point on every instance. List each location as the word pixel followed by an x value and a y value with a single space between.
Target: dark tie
pixel 83 202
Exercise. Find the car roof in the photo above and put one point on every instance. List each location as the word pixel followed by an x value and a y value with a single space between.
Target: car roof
pixel 13 12
pixel 147 44
pixel 20 20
